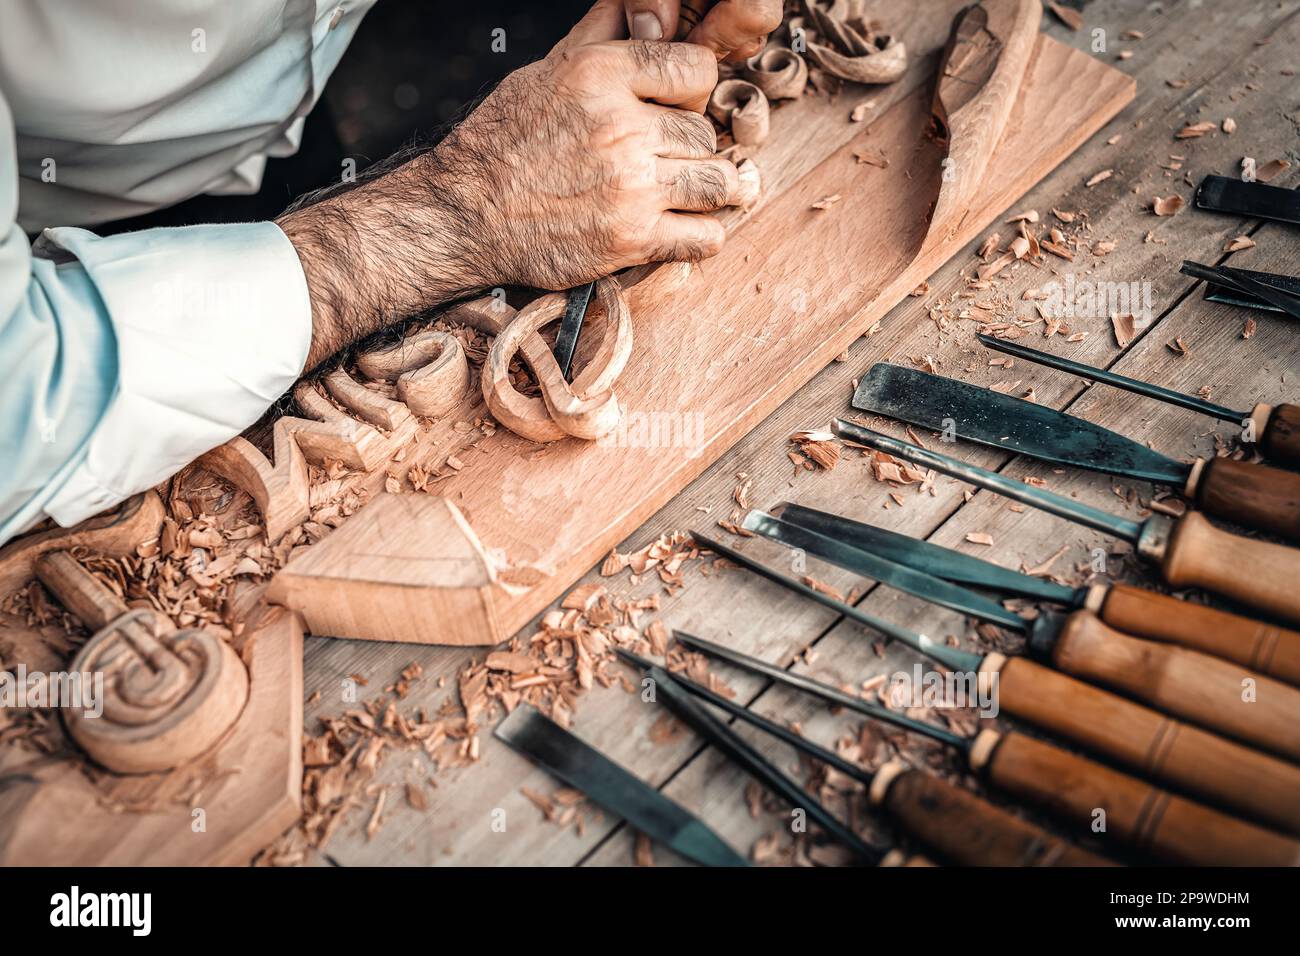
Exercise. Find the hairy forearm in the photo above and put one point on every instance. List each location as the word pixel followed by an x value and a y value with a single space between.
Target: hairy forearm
pixel 381 252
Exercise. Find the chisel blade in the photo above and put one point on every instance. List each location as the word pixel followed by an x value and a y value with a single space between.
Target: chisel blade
pixel 928 557
pixel 583 767
pixel 895 575
pixel 1026 428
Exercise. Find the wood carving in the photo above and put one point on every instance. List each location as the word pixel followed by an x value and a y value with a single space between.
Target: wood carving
pixel 168 696
pixel 983 69
pixel 429 368
pixel 114 533
pixel 405 568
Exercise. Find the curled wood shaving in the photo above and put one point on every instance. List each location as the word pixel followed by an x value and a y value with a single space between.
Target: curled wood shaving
pixel 742 107
pixel 1237 243
pixel 1167 205
pixel 821 448
pixel 851 50
pixel 779 72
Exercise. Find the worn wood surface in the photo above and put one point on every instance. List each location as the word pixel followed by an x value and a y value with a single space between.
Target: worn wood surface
pixel 1195 62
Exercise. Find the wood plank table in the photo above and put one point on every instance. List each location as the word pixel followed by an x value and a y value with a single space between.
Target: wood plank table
pixel 1192 62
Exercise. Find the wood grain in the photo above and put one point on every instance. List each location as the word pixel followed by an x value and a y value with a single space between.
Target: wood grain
pixel 1256 496
pixel 1281 440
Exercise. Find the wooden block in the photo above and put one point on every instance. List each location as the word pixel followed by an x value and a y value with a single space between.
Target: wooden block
pixel 404 568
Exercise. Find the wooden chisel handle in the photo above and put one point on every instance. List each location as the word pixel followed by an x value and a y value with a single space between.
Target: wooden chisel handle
pixel 966 829
pixel 1259 573
pixel 1256 496
pixel 1185 758
pixel 1221 696
pixel 1126 809
pixel 1269 649
pixel 1280 436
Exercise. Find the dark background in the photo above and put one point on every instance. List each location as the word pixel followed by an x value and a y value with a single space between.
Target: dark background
pixel 413 65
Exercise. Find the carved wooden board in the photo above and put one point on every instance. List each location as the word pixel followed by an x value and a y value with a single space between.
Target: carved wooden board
pixel 716 353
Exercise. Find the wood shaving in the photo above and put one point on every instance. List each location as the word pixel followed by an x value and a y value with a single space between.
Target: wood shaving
pixel 1167 205
pixel 1070 17
pixel 1237 243
pixel 1100 177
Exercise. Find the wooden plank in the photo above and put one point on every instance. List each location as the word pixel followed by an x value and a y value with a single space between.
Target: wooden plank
pixel 759 618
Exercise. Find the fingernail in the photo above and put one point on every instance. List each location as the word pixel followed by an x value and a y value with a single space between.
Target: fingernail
pixel 646 26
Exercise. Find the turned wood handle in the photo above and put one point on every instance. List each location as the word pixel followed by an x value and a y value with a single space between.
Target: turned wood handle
pixel 1188 759
pixel 1258 573
pixel 965 829
pixel 1219 695
pixel 1281 439
pixel 1256 496
pixel 1267 648
pixel 1122 808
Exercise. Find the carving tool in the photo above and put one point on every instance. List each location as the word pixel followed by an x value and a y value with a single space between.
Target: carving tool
pixel 1074 788
pixel 1188 758
pixel 1191 552
pixel 1242 287
pixel 1260 646
pixel 577 301
pixel 1274 428
pixel 583 767
pixel 1255 200
pixel 1188 684
pixel 965 829
pixel 1253 495
pixel 669 692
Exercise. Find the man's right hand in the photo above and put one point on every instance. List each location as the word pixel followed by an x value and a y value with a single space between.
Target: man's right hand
pixel 596 158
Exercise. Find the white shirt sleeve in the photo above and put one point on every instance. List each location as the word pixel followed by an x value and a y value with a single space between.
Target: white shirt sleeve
pixel 212 324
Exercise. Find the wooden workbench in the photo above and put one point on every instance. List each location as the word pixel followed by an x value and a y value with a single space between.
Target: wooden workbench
pixel 1194 62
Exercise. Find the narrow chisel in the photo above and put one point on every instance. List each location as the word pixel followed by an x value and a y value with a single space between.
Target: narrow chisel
pixel 1252 495
pixel 1190 759
pixel 1264 647
pixel 1188 684
pixel 964 828
pixel 1151 820
pixel 1274 429
pixel 1191 552
pixel 671 693
pixel 584 768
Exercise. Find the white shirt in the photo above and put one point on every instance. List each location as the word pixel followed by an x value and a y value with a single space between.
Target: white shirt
pixel 124 358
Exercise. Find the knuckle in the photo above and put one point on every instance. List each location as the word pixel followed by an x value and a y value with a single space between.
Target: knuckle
pixel 704 186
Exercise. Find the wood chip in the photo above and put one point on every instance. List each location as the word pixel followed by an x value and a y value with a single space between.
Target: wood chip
pixel 1100 177
pixel 980 537
pixel 1229 125
pixel 1196 130
pixel 1167 205
pixel 1249 329
pixel 1271 170
pixel 827 201
pixel 1125 328
pixel 1237 243
pixel 1070 17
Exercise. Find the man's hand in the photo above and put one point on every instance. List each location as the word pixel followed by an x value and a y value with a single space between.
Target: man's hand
pixel 734 30
pixel 593 159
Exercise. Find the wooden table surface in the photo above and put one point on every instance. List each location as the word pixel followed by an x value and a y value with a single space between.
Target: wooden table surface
pixel 1195 61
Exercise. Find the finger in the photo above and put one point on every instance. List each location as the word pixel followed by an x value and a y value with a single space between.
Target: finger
pixel 604 21
pixel 686 237
pixel 674 74
pixel 651 19
pixel 681 134
pixel 735 24
pixel 695 185
pixel 752 49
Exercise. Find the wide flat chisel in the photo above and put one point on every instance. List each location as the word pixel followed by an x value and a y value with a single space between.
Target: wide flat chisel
pixel 1190 551
pixel 1190 759
pixel 583 767
pixel 1151 820
pixel 1252 495
pixel 1273 429
pixel 1264 647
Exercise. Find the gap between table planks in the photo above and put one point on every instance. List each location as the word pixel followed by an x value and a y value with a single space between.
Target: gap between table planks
pixel 451 830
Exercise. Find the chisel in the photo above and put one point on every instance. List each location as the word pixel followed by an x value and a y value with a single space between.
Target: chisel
pixel 1269 649
pixel 1152 820
pixel 1187 684
pixel 1191 552
pixel 1252 495
pixel 1186 757
pixel 961 826
pixel 607 784
pixel 671 693
pixel 1274 429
